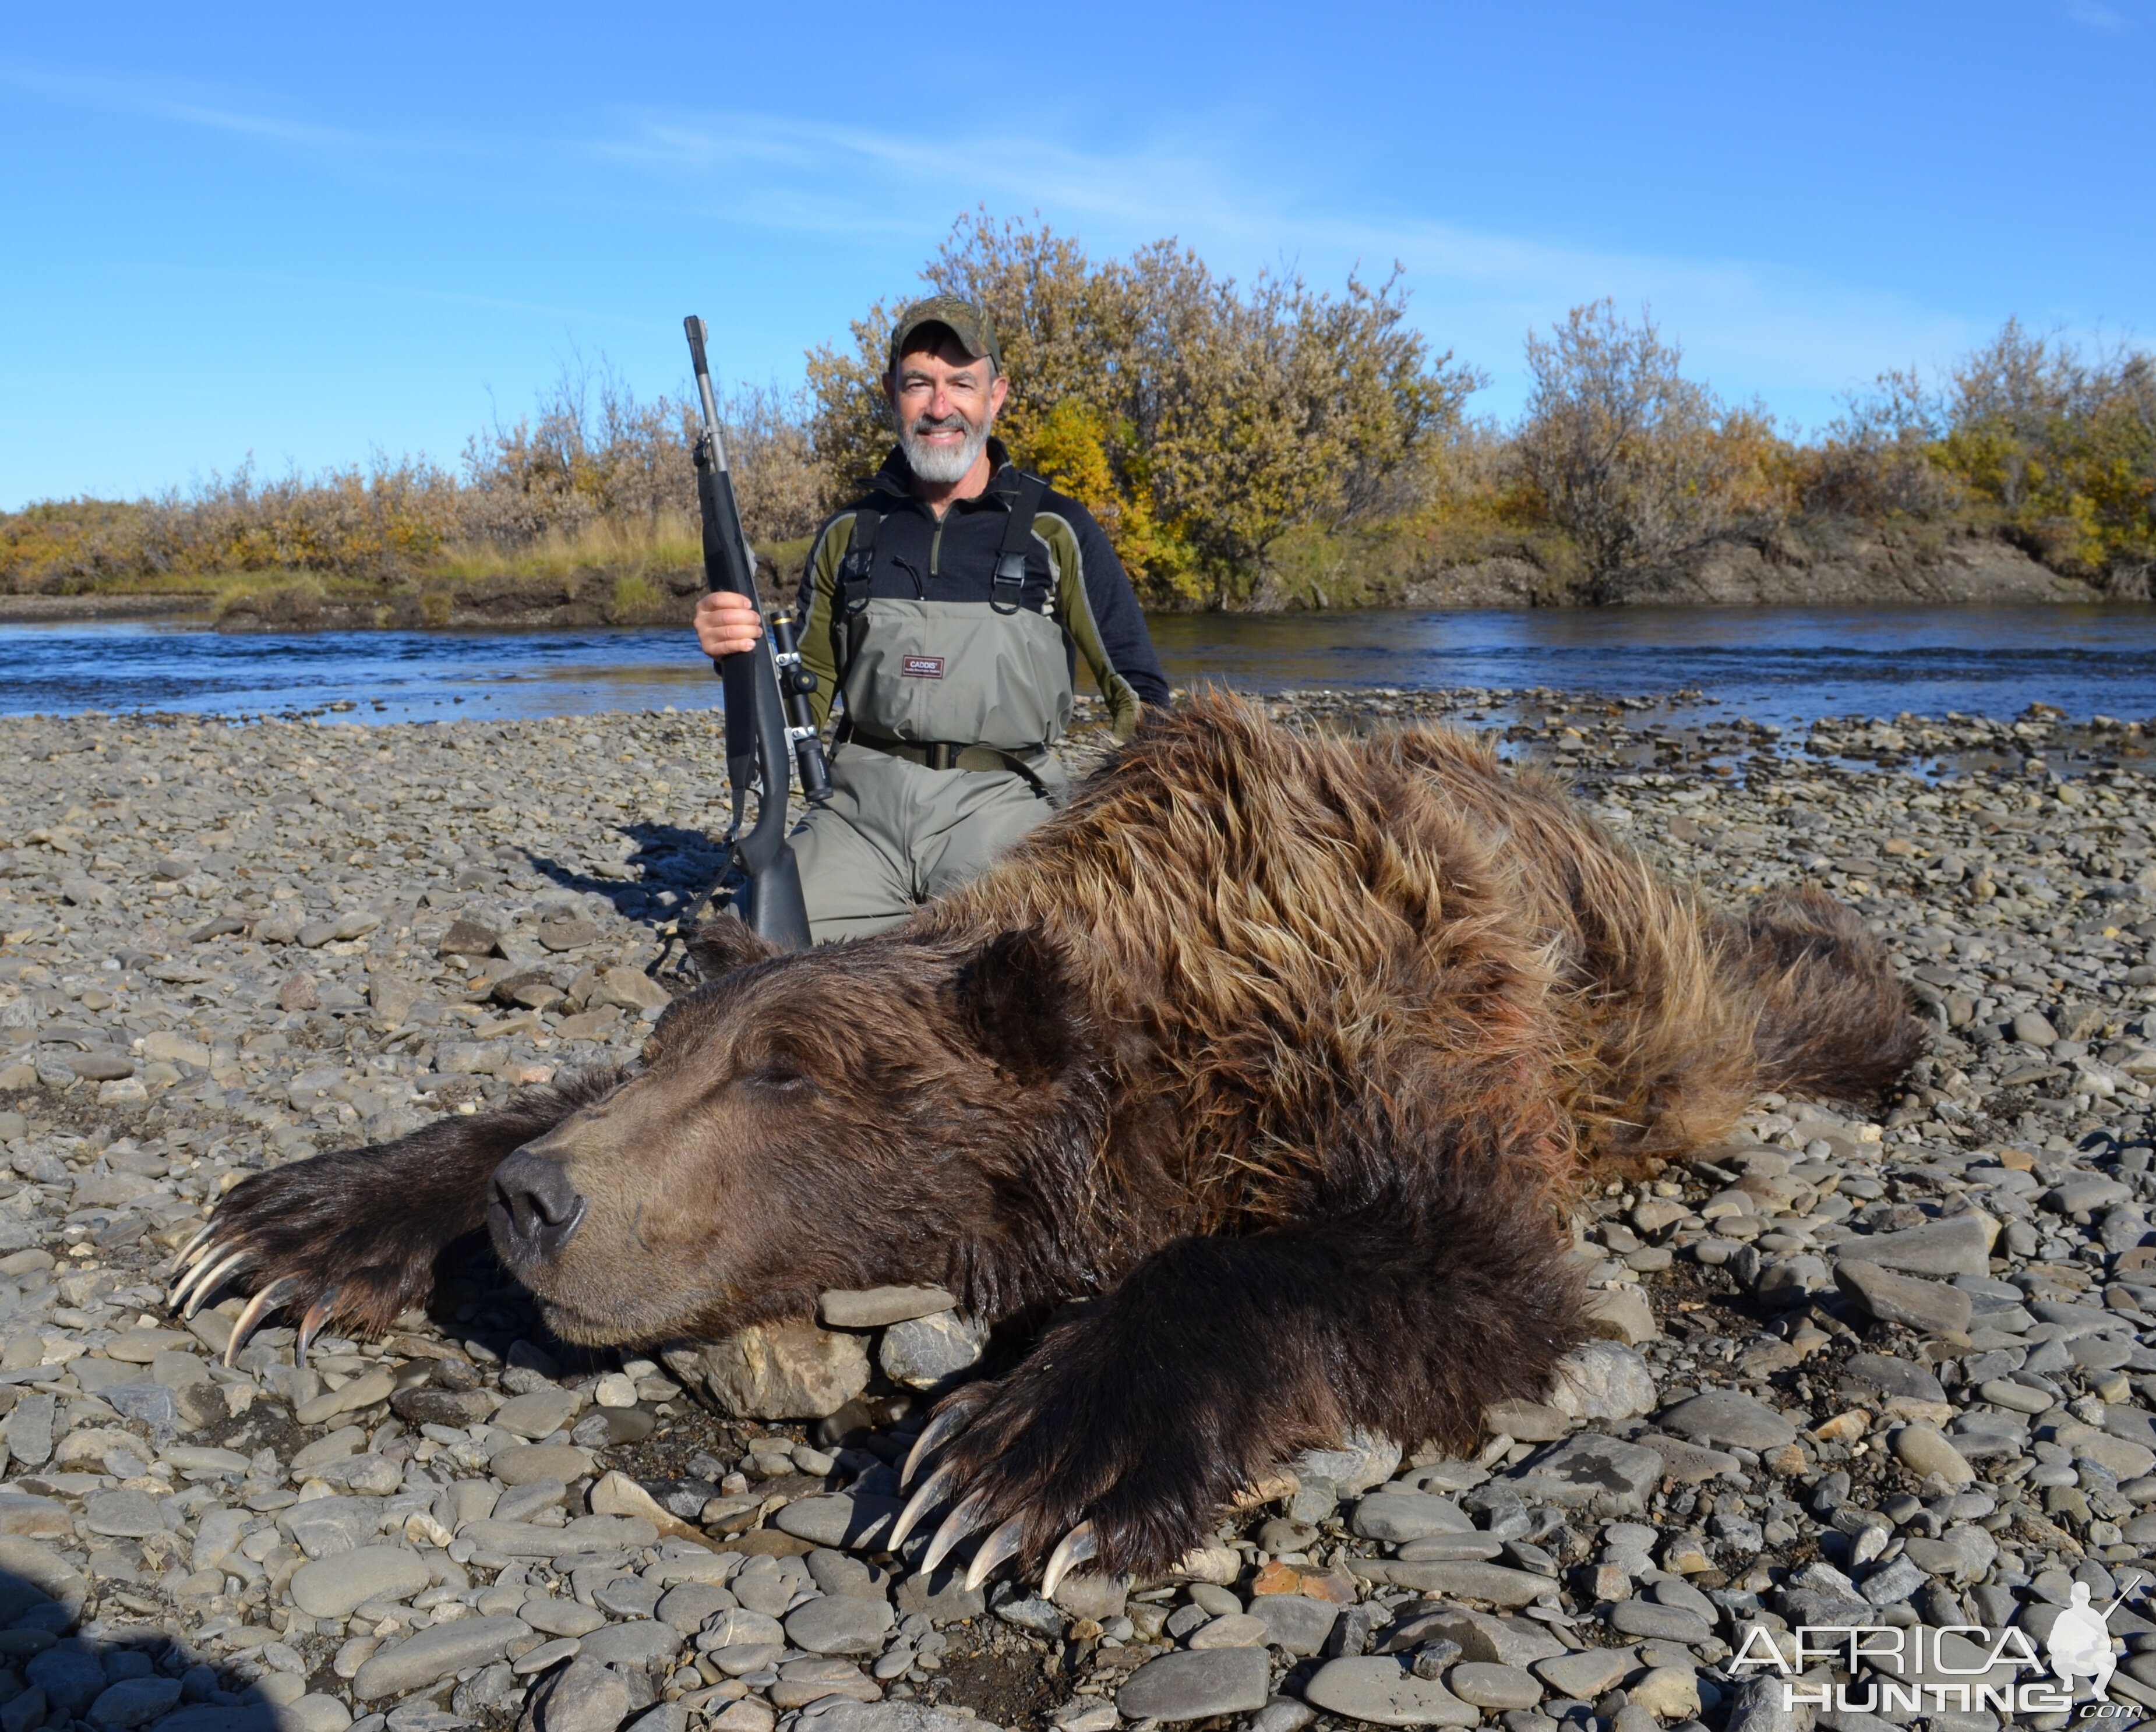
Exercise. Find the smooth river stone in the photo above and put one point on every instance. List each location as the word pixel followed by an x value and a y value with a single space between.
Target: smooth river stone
pixel 1197 1686
pixel 1380 1690
pixel 1725 1416
pixel 437 1652
pixel 333 1586
pixel 875 1307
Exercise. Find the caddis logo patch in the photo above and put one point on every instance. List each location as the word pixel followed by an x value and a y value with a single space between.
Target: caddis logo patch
pixel 922 667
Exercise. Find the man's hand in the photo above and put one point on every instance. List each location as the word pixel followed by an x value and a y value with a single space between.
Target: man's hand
pixel 726 623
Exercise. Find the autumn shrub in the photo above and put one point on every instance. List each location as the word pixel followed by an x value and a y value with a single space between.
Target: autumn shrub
pixel 2063 443
pixel 1633 460
pixel 1875 460
pixel 595 454
pixel 1201 418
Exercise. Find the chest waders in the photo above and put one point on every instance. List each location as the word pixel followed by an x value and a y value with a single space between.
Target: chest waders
pixel 933 689
pixel 956 685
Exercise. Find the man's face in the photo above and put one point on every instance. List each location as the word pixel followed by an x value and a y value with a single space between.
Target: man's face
pixel 944 401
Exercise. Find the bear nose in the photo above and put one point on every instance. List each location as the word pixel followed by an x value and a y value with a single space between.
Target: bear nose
pixel 535 1210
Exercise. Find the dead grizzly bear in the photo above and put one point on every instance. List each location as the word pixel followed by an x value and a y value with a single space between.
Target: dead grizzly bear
pixel 1277 1052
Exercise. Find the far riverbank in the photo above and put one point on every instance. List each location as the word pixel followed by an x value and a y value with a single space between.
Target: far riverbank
pixel 1822 563
pixel 1779 667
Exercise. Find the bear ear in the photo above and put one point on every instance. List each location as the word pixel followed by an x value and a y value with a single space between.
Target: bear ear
pixel 1017 1000
pixel 720 946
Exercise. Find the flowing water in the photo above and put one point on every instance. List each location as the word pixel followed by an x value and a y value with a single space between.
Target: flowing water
pixel 1780 665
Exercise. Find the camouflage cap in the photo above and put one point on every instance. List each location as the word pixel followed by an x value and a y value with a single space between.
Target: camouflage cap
pixel 967 321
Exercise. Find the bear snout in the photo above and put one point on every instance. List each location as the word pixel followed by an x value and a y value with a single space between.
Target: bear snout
pixel 534 1211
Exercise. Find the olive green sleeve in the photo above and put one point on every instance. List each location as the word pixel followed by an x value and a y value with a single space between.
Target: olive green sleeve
pixel 1075 608
pixel 818 605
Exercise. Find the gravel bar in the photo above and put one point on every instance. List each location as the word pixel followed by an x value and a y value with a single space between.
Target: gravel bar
pixel 1879 1370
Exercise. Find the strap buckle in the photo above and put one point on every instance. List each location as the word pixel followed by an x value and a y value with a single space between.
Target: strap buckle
pixel 1008 587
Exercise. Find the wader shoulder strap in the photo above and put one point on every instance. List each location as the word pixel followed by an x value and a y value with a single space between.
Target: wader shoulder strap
pixel 856 572
pixel 1009 581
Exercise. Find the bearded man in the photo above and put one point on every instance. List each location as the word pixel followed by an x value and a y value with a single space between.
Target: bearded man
pixel 946 609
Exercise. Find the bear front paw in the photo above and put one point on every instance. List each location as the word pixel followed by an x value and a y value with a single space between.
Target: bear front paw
pixel 303 1242
pixel 1053 1491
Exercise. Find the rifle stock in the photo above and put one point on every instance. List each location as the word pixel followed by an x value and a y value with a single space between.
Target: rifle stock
pixel 757 738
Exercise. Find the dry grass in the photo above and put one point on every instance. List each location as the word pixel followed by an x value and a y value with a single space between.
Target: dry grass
pixel 632 548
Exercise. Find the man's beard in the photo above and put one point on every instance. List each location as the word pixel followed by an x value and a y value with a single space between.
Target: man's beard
pixel 942 464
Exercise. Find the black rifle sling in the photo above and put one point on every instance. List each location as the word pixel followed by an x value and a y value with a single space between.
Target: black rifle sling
pixel 1009 581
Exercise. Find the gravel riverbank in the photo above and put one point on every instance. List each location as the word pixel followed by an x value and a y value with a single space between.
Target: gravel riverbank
pixel 1894 1370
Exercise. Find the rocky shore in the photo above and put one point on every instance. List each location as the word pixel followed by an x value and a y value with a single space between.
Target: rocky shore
pixel 1890 1365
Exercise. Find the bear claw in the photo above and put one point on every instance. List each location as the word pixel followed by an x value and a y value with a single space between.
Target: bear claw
pixel 998 1547
pixel 1074 1548
pixel 933 1490
pixel 194 1249
pixel 274 1294
pixel 310 1326
pixel 204 1279
pixel 938 1432
pixel 956 1525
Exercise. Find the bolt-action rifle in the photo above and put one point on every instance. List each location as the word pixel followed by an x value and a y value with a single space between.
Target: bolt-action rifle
pixel 756 692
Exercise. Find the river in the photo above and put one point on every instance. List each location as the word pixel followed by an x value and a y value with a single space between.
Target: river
pixel 1782 665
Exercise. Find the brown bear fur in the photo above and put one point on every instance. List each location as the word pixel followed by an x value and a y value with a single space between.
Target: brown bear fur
pixel 1279 1054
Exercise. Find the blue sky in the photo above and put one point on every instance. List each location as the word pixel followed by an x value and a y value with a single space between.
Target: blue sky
pixel 309 233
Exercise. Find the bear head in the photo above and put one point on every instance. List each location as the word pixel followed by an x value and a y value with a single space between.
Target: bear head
pixel 856 1115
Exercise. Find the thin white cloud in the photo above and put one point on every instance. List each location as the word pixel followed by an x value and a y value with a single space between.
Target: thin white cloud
pixel 1776 328
pixel 2088 13
pixel 1780 329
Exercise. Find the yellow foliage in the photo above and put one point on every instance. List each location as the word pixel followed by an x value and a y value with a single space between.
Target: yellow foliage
pixel 1069 448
